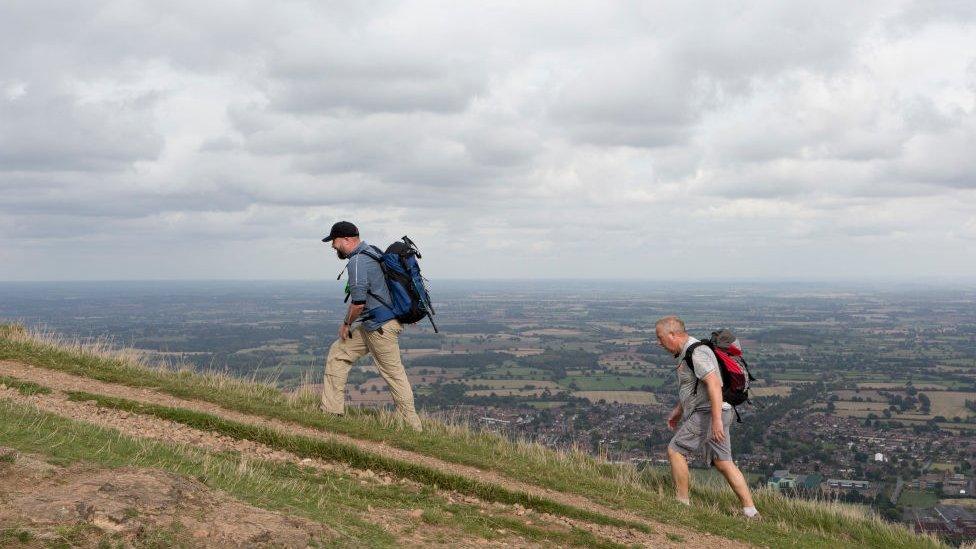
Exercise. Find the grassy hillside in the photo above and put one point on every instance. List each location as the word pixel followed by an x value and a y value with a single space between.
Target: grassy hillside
pixel 450 484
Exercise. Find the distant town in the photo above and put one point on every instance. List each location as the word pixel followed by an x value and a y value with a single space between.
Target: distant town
pixel 865 394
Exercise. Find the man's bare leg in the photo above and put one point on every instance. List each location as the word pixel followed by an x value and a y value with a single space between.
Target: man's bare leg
pixel 735 480
pixel 679 472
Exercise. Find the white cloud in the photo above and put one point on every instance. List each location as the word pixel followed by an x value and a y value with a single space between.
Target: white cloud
pixel 591 139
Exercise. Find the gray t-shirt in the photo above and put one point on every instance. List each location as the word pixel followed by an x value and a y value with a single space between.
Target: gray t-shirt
pixel 705 363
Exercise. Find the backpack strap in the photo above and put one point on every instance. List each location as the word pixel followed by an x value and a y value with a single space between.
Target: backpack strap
pixel 375 254
pixel 691 365
pixel 370 251
pixel 746 366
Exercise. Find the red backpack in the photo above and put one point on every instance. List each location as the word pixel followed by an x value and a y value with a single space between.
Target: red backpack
pixel 731 364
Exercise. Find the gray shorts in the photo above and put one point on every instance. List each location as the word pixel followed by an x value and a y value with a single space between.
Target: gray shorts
pixel 695 433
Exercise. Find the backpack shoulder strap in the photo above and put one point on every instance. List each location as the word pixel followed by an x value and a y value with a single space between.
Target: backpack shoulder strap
pixel 691 351
pixel 375 254
pixel 372 252
pixel 691 364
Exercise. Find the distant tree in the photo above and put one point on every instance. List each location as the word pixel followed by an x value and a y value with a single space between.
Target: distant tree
pixel 925 403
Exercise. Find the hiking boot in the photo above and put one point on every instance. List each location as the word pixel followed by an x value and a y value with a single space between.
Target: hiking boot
pixel 324 411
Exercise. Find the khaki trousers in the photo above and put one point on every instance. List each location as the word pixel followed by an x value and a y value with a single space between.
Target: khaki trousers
pixel 385 349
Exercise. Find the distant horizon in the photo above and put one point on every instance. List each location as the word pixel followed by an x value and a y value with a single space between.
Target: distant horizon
pixel 743 280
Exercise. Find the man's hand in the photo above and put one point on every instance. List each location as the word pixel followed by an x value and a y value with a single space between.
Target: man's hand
pixel 713 384
pixel 674 418
pixel 718 430
pixel 355 309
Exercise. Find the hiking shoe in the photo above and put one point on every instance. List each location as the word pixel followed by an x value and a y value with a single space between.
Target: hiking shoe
pixel 324 411
pixel 756 517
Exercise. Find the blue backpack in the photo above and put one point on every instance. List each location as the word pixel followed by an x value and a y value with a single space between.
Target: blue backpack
pixel 410 301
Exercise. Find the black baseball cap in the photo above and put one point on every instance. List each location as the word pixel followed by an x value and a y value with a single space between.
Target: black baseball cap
pixel 341 229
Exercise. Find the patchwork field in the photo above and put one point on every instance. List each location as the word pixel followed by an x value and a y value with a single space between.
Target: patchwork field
pixel 951 403
pixel 921 386
pixel 512 383
pixel 514 372
pixel 628 341
pixel 417 353
pixel 623 362
pixel 622 397
pixel 776 390
pixel 609 382
pixel 842 406
pixel 918 498
pixel 554 332
pixel 505 392
pixel 521 352
pixel 283 347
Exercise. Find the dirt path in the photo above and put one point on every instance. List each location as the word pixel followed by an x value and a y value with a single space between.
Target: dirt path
pixel 139 507
pixel 143 426
pixel 400 522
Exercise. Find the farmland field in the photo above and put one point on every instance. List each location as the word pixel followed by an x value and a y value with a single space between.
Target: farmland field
pixel 505 392
pixel 950 403
pixel 511 383
pixel 623 397
pixel 522 352
pixel 554 332
pixel 515 372
pixel 921 386
pixel 610 382
pixel 776 390
pixel 842 405
pixel 918 498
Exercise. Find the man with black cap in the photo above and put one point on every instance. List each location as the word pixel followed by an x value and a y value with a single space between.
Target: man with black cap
pixel 376 332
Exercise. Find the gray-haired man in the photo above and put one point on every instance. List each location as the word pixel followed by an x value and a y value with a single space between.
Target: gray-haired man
pixel 706 418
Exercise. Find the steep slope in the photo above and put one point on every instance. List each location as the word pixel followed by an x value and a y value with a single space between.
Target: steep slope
pixel 362 480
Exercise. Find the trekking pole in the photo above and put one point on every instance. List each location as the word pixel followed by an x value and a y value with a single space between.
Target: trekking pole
pixel 412 245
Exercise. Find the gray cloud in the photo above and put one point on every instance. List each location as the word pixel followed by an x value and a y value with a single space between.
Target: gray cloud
pixel 44 131
pixel 536 134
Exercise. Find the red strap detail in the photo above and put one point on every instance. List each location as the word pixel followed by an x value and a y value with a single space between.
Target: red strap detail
pixel 728 363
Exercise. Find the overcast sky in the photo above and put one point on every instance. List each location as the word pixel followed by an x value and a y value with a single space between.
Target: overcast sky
pixel 662 140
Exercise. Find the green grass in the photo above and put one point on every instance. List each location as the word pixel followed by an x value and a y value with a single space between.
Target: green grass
pixel 788 522
pixel 609 382
pixel 338 501
pixel 332 450
pixel 64 441
pixel 516 372
pixel 24 387
pixel 11 535
pixel 918 498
